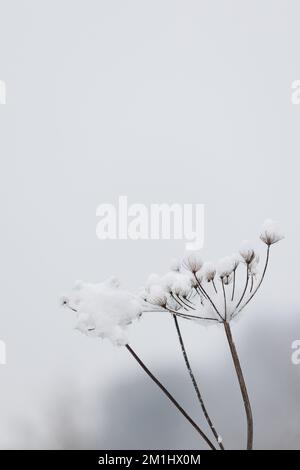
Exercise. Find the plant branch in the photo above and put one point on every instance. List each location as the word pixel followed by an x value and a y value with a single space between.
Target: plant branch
pixel 170 397
pixel 245 288
pixel 194 382
pixel 242 384
pixel 261 279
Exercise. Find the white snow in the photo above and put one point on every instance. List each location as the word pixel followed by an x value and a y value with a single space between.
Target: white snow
pixel 209 271
pixel 271 232
pixel 193 261
pixel 104 310
pixel 247 251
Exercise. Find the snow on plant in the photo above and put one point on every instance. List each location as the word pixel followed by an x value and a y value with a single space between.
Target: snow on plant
pixel 194 290
pixel 103 310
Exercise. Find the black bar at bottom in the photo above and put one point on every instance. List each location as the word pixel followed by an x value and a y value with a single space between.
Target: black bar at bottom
pixel 135 458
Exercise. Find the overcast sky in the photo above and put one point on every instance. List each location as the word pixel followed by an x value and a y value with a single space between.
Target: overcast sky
pixel 163 101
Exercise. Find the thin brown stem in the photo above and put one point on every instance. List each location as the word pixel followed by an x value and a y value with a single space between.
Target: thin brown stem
pixel 177 301
pixel 195 385
pixel 190 316
pixel 207 297
pixel 184 301
pixel 245 288
pixel 224 295
pixel 233 286
pixel 261 279
pixel 242 384
pixel 171 398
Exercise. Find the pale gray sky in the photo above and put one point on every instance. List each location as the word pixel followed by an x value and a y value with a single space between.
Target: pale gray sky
pixel 163 101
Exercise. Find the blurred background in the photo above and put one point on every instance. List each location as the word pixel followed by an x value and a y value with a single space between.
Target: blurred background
pixel 163 101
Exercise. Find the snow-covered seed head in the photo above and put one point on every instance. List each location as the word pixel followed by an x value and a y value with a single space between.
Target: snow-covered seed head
pixel 157 296
pixel 193 261
pixel 168 280
pixel 225 267
pixel 271 233
pixel 247 252
pixel 209 271
pixel 182 285
pixel 175 265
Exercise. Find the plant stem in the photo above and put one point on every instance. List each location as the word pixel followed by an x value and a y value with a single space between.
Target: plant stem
pixel 203 291
pixel 171 398
pixel 224 295
pixel 242 384
pixel 245 289
pixel 194 382
pixel 261 279
pixel 233 287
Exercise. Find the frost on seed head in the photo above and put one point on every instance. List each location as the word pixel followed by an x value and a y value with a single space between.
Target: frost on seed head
pixel 209 271
pixel 247 252
pixel 104 310
pixel 225 267
pixel 193 261
pixel 157 296
pixel 271 232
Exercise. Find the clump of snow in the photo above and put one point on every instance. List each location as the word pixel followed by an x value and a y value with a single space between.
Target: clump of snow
pixel 271 232
pixel 104 309
pixel 220 439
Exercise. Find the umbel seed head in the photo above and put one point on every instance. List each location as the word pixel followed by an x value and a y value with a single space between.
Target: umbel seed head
pixel 247 252
pixel 271 233
pixel 193 261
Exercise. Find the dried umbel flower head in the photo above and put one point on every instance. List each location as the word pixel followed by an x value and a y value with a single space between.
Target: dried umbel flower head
pixel 225 267
pixel 271 233
pixel 157 296
pixel 247 252
pixel 193 261
pixel 182 285
pixel 209 271
pixel 104 310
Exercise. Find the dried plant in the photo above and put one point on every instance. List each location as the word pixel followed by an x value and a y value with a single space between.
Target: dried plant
pixel 192 291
